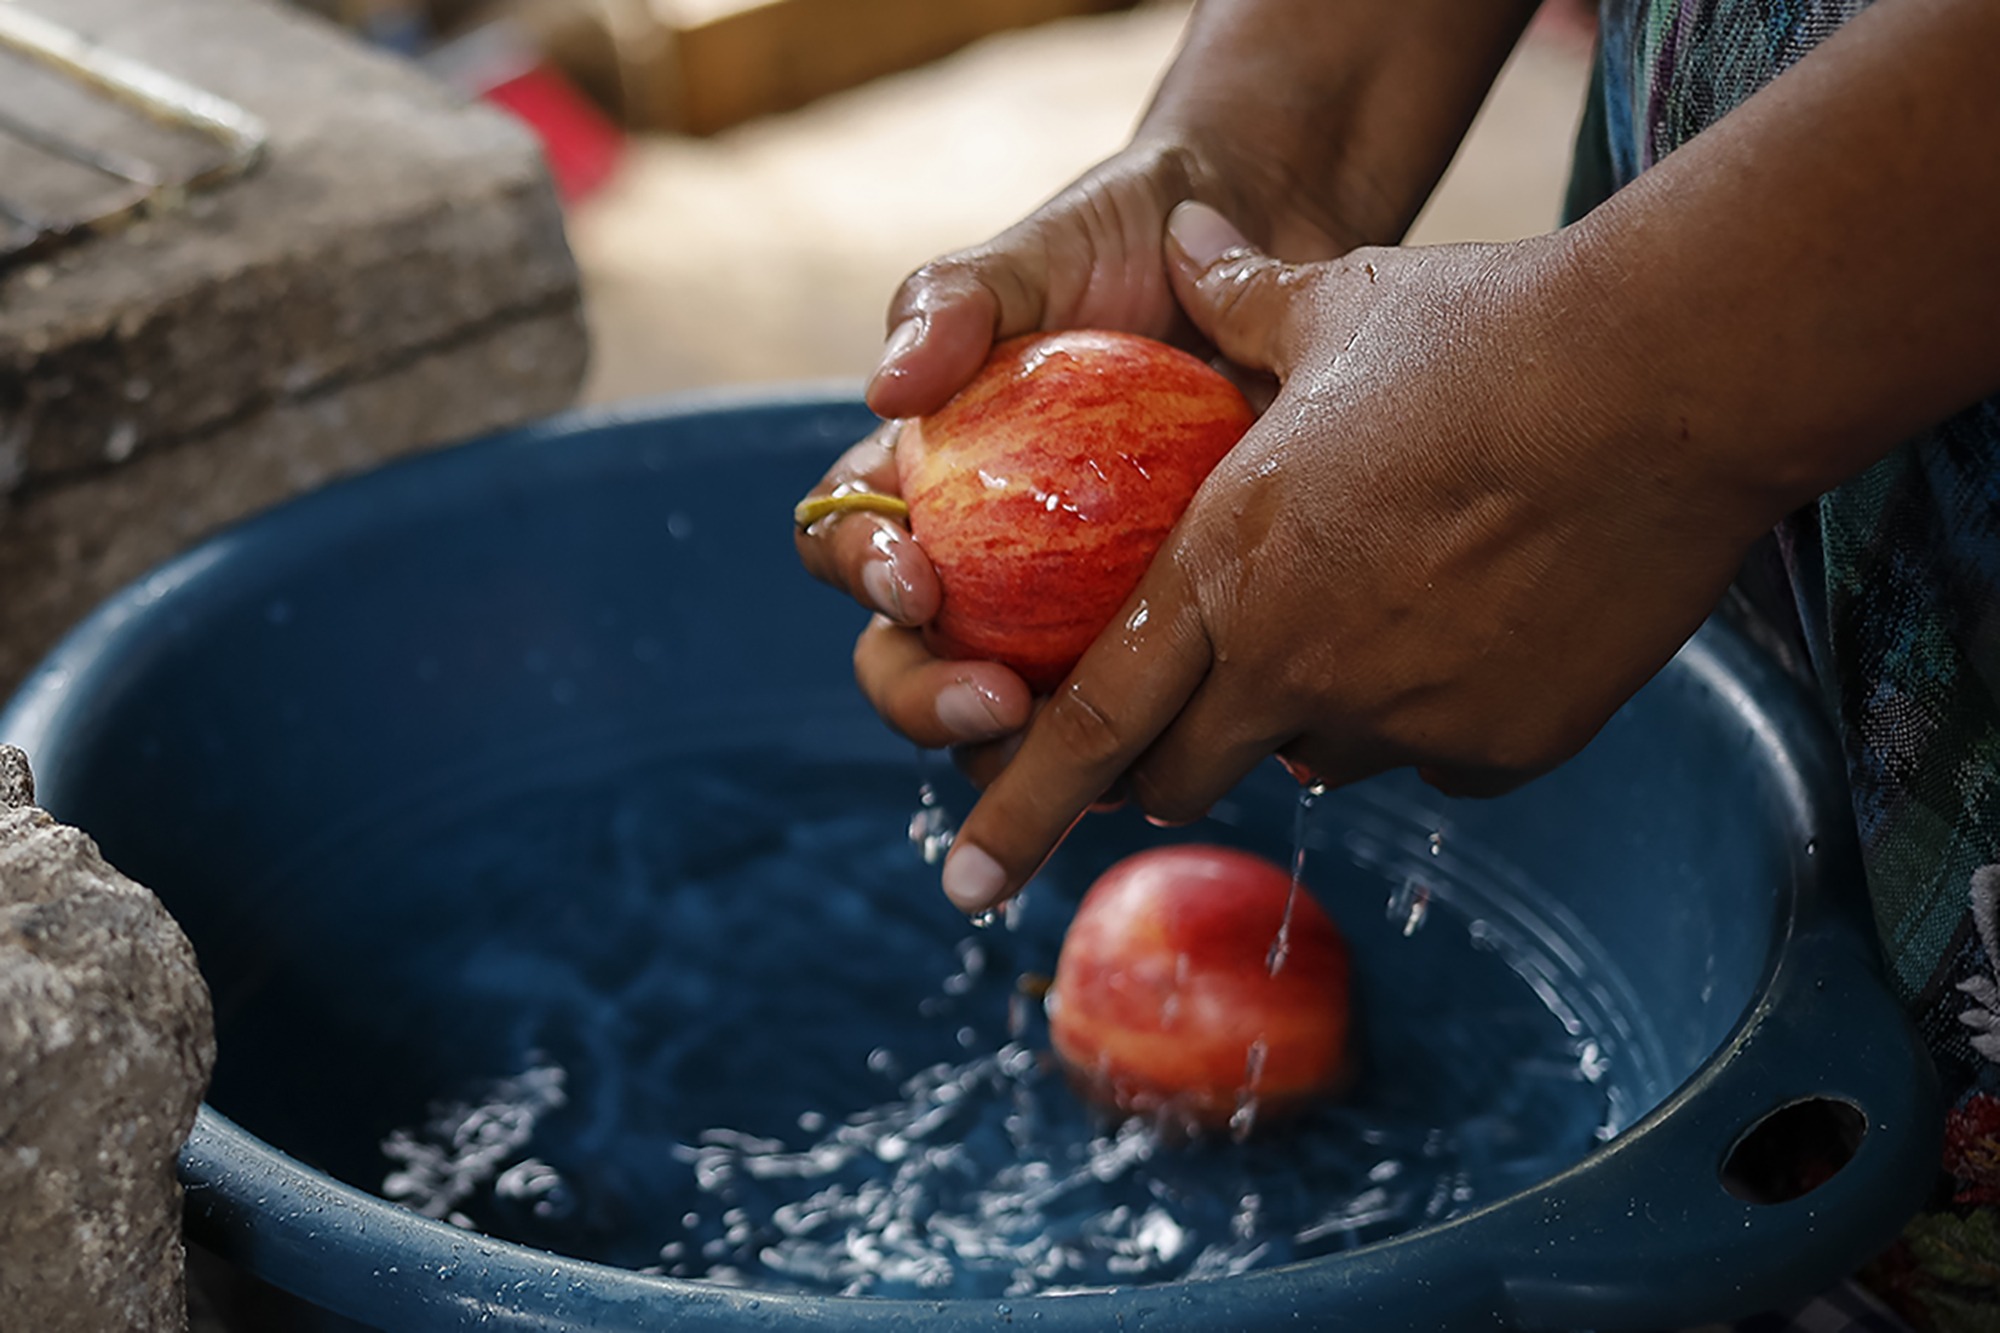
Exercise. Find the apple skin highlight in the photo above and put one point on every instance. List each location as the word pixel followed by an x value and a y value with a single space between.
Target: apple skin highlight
pixel 1042 491
pixel 1165 1002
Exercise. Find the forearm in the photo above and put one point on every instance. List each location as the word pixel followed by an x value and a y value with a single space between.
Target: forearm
pixel 1816 277
pixel 1346 110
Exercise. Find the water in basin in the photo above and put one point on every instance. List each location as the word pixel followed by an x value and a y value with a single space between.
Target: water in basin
pixel 713 1019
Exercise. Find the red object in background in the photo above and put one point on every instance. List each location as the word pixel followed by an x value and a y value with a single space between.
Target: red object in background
pixel 498 63
pixel 581 143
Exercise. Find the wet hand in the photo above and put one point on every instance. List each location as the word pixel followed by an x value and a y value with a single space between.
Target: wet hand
pixel 1442 546
pixel 1091 257
pixel 874 559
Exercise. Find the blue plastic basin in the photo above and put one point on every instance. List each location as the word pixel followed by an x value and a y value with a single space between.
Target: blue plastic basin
pixel 299 680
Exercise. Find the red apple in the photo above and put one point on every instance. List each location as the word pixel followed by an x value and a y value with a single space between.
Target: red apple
pixel 1165 1001
pixel 1044 488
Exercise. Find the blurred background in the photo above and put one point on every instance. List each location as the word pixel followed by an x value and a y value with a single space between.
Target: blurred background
pixel 747 180
pixel 250 246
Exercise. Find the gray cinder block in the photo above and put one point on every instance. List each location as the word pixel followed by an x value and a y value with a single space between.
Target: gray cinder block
pixel 393 276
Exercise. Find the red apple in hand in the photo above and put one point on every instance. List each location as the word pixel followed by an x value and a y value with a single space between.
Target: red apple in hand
pixel 1165 1000
pixel 1043 489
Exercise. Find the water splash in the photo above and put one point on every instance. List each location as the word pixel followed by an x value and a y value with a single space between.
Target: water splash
pixel 932 829
pixel 1281 947
pixel 467 1148
pixel 856 1096
pixel 1409 906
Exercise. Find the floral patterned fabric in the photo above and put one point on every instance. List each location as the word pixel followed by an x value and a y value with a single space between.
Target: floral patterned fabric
pixel 1895 582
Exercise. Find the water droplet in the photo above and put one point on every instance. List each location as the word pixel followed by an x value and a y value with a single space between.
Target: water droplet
pixel 1019 1009
pixel 931 827
pixel 1437 842
pixel 1281 946
pixel 679 526
pixel 1409 907
pixel 1244 1118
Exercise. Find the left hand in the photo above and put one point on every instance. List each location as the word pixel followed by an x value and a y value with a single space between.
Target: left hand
pixel 1453 541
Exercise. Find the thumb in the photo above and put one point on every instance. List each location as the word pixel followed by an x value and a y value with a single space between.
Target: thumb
pixel 1236 294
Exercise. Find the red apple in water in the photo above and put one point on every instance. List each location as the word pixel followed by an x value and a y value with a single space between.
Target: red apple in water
pixel 1166 1001
pixel 1044 488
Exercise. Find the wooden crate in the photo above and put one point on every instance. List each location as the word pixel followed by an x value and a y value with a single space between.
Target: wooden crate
pixel 698 66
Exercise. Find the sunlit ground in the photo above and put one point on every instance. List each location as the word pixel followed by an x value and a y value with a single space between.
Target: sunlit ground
pixel 769 252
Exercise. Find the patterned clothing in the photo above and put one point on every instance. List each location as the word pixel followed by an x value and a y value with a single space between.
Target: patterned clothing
pixel 1895 582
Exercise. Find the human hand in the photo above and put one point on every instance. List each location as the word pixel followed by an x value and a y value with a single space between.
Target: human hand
pixel 1090 257
pixel 1441 546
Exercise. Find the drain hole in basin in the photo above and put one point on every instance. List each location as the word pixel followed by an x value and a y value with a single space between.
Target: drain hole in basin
pixel 1794 1150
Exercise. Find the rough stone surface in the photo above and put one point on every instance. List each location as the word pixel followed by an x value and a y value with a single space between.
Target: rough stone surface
pixel 393 276
pixel 71 544
pixel 106 1043
pixel 389 215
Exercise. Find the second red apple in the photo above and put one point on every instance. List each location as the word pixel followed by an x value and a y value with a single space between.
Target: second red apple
pixel 1169 999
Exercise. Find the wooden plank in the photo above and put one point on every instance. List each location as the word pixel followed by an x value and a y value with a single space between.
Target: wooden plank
pixel 698 66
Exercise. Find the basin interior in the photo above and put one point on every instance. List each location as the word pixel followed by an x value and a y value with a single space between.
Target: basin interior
pixel 435 768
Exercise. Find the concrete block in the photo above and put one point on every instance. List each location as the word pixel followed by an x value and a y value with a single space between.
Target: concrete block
pixel 394 275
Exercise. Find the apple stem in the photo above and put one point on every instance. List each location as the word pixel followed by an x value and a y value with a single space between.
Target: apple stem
pixel 816 507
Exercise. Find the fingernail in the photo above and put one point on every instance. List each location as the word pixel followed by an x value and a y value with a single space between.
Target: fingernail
pixel 968 712
pixel 885 594
pixel 1203 234
pixel 902 338
pixel 972 879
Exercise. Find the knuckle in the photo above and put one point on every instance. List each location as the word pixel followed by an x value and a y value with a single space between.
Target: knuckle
pixel 947 275
pixel 1084 728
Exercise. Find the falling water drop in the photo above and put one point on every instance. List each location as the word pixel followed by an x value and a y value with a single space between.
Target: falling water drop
pixel 1281 947
pixel 931 830
pixel 1410 906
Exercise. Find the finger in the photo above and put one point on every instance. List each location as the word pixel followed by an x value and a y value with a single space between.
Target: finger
pixel 1212 744
pixel 1239 297
pixel 981 763
pixel 872 558
pixel 943 322
pixel 1122 695
pixel 932 701
pixel 1259 388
